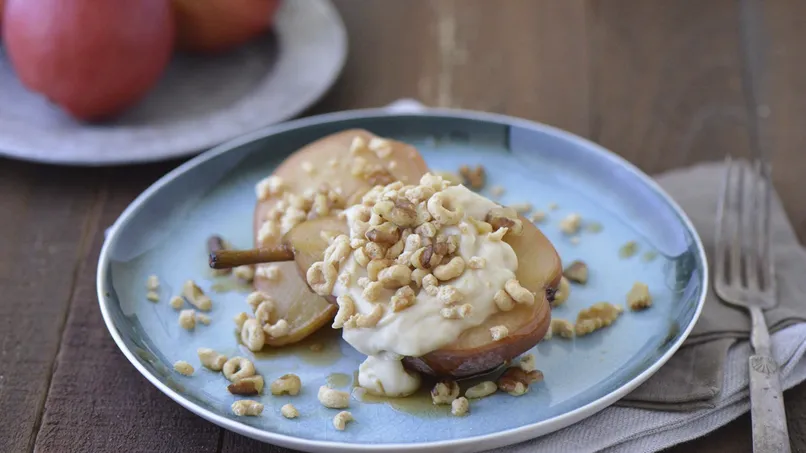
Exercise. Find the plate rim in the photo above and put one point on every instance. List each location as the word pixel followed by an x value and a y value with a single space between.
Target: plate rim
pixel 473 443
pixel 341 45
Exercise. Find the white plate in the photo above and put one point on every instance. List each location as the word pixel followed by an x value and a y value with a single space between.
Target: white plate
pixel 200 101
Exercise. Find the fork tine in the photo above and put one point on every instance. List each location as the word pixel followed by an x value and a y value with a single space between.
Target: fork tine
pixel 738 228
pixel 721 209
pixel 768 262
pixel 753 243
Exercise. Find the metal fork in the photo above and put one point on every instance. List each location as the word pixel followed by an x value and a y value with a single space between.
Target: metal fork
pixel 745 276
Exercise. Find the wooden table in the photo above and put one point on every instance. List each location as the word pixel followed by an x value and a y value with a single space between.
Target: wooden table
pixel 657 81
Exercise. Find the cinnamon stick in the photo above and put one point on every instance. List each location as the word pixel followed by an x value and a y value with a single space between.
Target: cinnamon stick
pixel 225 259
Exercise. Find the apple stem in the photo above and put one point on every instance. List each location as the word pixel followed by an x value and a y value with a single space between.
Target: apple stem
pixel 226 259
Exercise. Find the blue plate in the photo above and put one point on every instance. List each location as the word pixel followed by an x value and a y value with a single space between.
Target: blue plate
pixel 164 231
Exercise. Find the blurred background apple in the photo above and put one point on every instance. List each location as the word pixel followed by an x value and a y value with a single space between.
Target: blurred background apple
pixel 212 26
pixel 93 58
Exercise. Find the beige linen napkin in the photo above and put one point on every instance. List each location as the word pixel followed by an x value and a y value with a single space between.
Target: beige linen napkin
pixel 695 374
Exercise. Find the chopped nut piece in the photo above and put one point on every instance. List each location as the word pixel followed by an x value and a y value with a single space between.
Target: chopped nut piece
pixel 346 310
pixel 425 258
pixel 456 312
pixel 279 329
pixel 498 234
pixel 505 217
pixel 268 271
pixel 452 178
pixel 400 212
pixel 442 213
pixel 268 231
pixel 444 392
pixel 453 269
pixel 252 385
pixel 403 299
pixel 375 251
pixel 598 315
pixel 460 406
pixel 265 311
pixel 289 411
pixel 562 293
pixel 196 296
pixel 521 208
pixel 337 251
pixel 252 335
pixel 187 319
pixel 152 282
pixel 341 419
pixel 628 250
pixel 639 298
pixel 538 216
pixel 358 145
pixel 477 262
pixel 153 296
pixel 417 276
pixel 481 390
pixel 370 320
pixel 361 257
pixel 504 301
pixel 571 224
pixel 247 408
pixel 372 292
pixel 499 332
pixel 289 384
pixel 516 381
pixel 183 367
pixel 176 302
pixel 240 319
pixel 475 178
pixel 527 362
pixel 520 294
pixel 561 327
pixel 497 191
pixel 204 319
pixel 238 368
pixel 426 230
pixel 395 276
pixel 211 359
pixel 322 277
pixel 386 233
pixel 245 273
pixel 448 294
pixel 395 250
pixel 271 186
pixel 332 398
pixel 577 272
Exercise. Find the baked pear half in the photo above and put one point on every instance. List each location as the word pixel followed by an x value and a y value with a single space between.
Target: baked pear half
pixel 349 162
pixel 474 352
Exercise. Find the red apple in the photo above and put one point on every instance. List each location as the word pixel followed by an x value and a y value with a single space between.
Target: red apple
pixel 93 58
pixel 212 26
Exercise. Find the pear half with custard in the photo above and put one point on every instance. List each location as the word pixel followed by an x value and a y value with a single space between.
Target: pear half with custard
pixel 474 352
pixel 328 161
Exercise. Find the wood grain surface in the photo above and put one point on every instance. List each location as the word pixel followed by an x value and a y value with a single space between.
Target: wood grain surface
pixel 656 81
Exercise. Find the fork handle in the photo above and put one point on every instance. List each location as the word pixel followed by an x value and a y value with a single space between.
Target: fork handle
pixel 770 434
